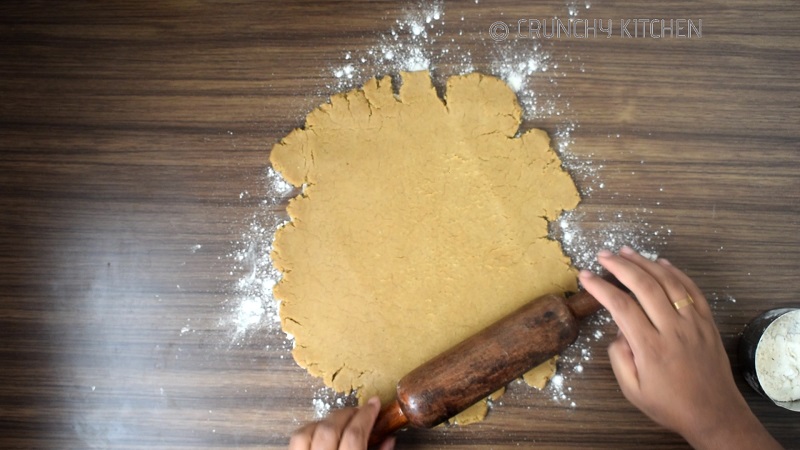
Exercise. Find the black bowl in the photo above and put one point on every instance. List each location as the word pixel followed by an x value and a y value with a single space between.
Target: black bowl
pixel 747 352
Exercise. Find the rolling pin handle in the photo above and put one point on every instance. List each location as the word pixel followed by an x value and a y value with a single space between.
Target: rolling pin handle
pixel 390 419
pixel 583 304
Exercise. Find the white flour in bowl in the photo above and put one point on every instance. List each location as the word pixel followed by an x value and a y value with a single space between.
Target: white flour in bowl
pixel 778 358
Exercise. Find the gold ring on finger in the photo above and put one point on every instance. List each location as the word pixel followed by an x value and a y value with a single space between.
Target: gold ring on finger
pixel 681 303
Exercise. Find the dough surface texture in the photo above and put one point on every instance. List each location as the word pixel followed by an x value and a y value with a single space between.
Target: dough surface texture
pixel 422 221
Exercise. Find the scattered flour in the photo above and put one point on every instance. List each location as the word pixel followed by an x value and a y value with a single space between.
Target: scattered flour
pixel 415 42
pixel 326 399
pixel 583 168
pixel 529 70
pixel 571 362
pixel 583 233
pixel 574 7
pixel 253 306
pixel 186 328
pixel 720 303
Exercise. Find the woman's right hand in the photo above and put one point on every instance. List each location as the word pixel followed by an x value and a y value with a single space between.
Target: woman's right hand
pixel 668 357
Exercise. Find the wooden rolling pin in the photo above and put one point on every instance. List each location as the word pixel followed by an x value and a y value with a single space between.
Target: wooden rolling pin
pixel 459 377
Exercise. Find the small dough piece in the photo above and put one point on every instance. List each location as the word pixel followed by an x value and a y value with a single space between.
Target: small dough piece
pixel 421 222
pixel 478 411
pixel 541 374
pixel 473 414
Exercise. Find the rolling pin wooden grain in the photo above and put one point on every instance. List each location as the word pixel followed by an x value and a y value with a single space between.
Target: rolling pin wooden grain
pixel 456 379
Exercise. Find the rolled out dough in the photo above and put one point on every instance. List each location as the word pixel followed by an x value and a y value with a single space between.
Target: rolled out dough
pixel 422 220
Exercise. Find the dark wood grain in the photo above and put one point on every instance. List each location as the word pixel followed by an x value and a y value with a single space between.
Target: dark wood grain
pixel 129 131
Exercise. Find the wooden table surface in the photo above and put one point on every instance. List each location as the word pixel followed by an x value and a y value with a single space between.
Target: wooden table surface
pixel 134 146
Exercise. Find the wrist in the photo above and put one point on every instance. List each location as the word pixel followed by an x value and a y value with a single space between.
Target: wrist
pixel 740 429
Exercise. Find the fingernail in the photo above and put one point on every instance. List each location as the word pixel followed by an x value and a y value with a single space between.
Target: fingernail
pixel 627 250
pixel 585 275
pixel 375 401
pixel 604 253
